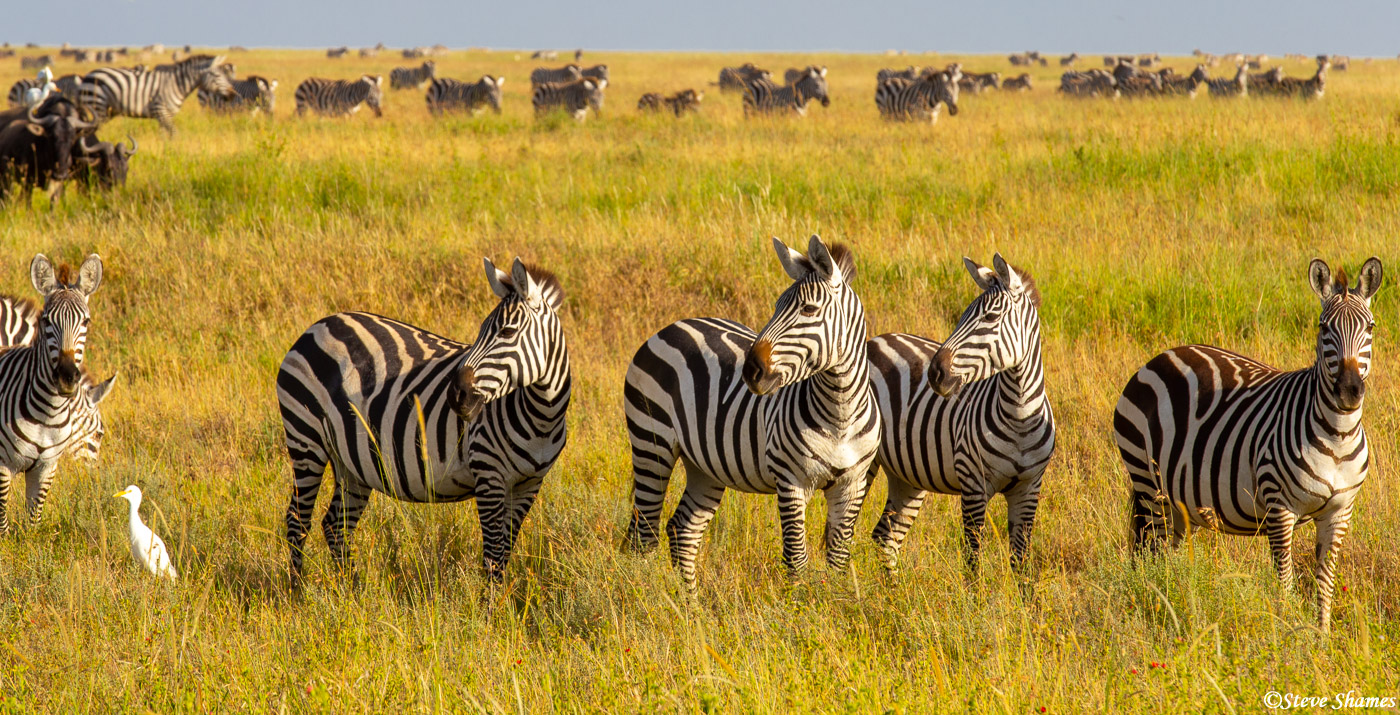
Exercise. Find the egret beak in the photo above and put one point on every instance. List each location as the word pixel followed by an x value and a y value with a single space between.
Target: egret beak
pixel 121 493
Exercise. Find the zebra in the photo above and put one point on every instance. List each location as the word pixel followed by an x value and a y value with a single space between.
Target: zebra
pixel 1173 84
pixel 340 97
pixel 598 72
pixel 425 419
pixel 1133 82
pixel 545 75
pixel 1265 83
pixel 412 77
pixel 254 94
pixel 792 74
pixel 787 411
pixel 919 99
pixel 974 82
pixel 649 102
pixel 968 417
pixel 445 94
pixel 1021 83
pixel 50 400
pixel 1237 87
pixel 153 94
pixel 1068 61
pixel 1307 88
pixel 19 321
pixel 336 53
pixel 735 79
pixel 573 97
pixel 910 72
pixel 1094 83
pixel 1228 443
pixel 762 96
pixel 678 103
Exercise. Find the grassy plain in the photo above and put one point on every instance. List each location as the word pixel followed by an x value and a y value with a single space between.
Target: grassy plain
pixel 1147 224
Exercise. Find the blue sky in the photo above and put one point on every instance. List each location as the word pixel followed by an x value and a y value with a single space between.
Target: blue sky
pixel 1356 27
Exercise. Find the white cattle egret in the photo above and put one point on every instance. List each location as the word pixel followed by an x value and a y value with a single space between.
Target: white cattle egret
pixel 146 547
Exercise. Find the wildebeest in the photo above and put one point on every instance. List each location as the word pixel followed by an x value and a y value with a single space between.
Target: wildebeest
pixel 103 163
pixel 37 144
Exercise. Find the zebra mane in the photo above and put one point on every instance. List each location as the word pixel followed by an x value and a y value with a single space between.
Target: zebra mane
pixel 1028 287
pixel 844 259
pixel 550 287
pixel 194 59
pixel 1339 281
pixel 66 276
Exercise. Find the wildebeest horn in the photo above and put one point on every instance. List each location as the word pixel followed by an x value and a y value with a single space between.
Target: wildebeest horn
pixel 132 150
pixel 85 149
pixel 47 121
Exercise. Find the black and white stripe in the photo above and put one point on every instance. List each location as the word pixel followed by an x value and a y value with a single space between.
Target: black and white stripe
pixel 968 417
pixel 48 405
pixel 1216 440
pixel 1224 87
pixel 156 94
pixel 734 79
pixel 787 411
pixel 763 96
pixel 919 99
pixel 412 77
pixel 254 94
pixel 340 97
pixel 450 95
pixel 19 321
pixel 560 75
pixel 573 97
pixel 401 411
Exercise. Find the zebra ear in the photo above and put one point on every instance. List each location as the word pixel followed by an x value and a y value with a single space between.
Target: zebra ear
pixel 525 284
pixel 41 275
pixel 498 279
pixel 500 81
pixel 90 274
pixel 1006 274
pixel 794 264
pixel 1370 279
pixel 1320 277
pixel 823 71
pixel 822 262
pixel 96 393
pixel 981 275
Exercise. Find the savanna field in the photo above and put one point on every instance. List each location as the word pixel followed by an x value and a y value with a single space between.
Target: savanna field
pixel 1146 224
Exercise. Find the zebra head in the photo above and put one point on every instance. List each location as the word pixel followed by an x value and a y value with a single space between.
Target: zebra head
pixel 216 79
pixel 375 84
pixel 945 89
pixel 997 331
pixel 818 323
pixel 63 323
pixel 492 85
pixel 90 447
pixel 594 88
pixel 519 342
pixel 1344 331
pixel 812 85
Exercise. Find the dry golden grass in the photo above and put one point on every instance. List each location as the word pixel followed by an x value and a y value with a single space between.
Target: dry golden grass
pixel 1147 224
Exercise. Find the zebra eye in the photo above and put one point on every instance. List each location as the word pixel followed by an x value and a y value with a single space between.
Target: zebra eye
pixel 506 333
pixel 810 309
pixel 87 322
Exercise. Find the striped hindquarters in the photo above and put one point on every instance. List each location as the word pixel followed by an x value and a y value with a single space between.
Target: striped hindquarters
pixel 917 99
pixel 339 97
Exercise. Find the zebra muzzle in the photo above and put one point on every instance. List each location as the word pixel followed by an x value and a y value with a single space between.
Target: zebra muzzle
pixel 466 400
pixel 1351 389
pixel 67 376
pixel 758 368
pixel 941 378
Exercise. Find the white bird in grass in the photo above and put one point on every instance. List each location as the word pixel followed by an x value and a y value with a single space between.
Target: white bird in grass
pixel 147 548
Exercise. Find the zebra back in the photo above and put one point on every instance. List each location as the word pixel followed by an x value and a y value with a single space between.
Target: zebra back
pixel 412 77
pixel 546 75
pixel 573 97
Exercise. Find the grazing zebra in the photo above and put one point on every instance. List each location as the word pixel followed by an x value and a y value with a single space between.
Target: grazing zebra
pixel 424 419
pixel 1069 60
pixel 598 72
pixel 1094 83
pixel 561 75
pixel 910 72
pixel 254 94
pixel 1133 82
pixel 19 321
pixel 1174 84
pixel 336 53
pixel 573 97
pixel 1237 87
pixel 974 82
pixel 1228 443
pixel 919 99
pixel 735 79
pixel 1265 83
pixel 340 97
pixel 762 96
pixel 1021 83
pixel 969 417
pixel 447 95
pixel 649 102
pixel 788 411
pixel 1306 88
pixel 678 103
pixel 412 77
pixel 153 94
pixel 50 402
pixel 793 74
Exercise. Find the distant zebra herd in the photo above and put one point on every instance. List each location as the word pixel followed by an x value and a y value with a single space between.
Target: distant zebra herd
pixel 1131 80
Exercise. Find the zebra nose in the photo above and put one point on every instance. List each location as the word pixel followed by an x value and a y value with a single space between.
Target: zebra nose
pixel 758 370
pixel 940 374
pixel 465 399
pixel 1350 387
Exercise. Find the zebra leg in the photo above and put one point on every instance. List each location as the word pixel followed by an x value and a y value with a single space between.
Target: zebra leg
pixel 901 509
pixel 307 473
pixel 974 517
pixel 686 529
pixel 522 498
pixel 654 454
pixel 37 482
pixel 1022 500
pixel 6 479
pixel 843 503
pixel 1279 523
pixel 1331 531
pixel 792 511
pixel 347 506
pixel 493 509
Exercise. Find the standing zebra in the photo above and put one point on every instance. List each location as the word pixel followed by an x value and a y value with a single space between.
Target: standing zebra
pixel 19 321
pixel 788 411
pixel 340 97
pixel 545 75
pixel 793 74
pixel 763 96
pixel 155 94
pixel 424 419
pixel 599 72
pixel 1237 87
pixel 969 417
pixel 572 97
pixel 1232 444
pixel 446 94
pixel 412 77
pixel 919 99
pixel 734 79
pixel 50 404
pixel 254 94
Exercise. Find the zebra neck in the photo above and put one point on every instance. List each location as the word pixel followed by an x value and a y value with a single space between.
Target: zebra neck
pixel 841 392
pixel 185 82
pixel 549 396
pixel 1022 386
pixel 1325 420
